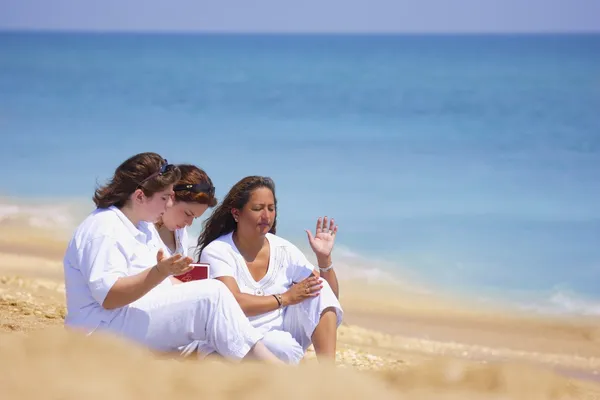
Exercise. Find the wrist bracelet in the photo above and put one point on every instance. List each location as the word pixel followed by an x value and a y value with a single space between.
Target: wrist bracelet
pixel 326 269
pixel 279 299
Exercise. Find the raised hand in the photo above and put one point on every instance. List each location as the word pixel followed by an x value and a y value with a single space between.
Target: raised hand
pixel 174 265
pixel 324 239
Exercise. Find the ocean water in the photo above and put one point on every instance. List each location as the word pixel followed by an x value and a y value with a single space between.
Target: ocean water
pixel 469 164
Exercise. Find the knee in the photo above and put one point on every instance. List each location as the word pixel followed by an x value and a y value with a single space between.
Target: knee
pixel 210 284
pixel 327 290
pixel 325 298
pixel 329 302
pixel 284 346
pixel 217 285
pixel 212 288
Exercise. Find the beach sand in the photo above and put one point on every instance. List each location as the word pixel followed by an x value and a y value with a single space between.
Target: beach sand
pixel 393 344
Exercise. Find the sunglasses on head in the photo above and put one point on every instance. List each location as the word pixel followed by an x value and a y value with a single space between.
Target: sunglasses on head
pixel 166 167
pixel 196 188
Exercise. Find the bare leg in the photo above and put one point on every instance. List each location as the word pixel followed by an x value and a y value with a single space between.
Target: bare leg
pixel 260 352
pixel 324 338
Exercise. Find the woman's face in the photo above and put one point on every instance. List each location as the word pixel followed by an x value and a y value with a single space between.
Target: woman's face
pixel 155 206
pixel 258 215
pixel 182 214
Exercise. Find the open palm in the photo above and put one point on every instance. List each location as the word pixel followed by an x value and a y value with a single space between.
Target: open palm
pixel 324 239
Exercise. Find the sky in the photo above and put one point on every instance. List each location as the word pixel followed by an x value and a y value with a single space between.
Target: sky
pixel 414 16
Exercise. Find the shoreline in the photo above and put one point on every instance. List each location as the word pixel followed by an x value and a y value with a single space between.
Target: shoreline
pixel 39 216
pixel 385 328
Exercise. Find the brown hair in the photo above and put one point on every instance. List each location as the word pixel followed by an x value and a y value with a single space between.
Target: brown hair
pixel 221 221
pixel 139 171
pixel 193 176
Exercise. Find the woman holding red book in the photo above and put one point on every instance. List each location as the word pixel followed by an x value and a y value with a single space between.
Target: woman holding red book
pixel 194 194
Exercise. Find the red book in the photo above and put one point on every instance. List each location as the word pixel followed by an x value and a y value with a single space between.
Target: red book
pixel 199 272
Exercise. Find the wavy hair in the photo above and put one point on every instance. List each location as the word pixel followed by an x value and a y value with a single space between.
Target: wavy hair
pixel 221 221
pixel 144 171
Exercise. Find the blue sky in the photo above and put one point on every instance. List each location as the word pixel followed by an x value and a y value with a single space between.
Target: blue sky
pixel 304 15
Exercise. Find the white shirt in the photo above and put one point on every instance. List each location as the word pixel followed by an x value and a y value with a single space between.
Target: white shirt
pixel 181 241
pixel 287 265
pixel 105 247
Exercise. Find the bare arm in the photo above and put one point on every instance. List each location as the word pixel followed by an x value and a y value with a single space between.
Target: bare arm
pixel 128 289
pixel 251 305
pixel 221 268
pixel 322 245
pixel 330 275
pixel 255 305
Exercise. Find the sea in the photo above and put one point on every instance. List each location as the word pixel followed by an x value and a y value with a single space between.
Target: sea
pixel 466 164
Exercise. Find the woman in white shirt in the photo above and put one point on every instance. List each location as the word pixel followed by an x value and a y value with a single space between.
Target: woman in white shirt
pixel 290 301
pixel 116 274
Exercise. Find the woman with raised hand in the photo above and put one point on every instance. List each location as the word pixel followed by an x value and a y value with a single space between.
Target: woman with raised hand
pixel 116 274
pixel 290 301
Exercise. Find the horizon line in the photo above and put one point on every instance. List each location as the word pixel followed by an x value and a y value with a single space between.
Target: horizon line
pixel 298 32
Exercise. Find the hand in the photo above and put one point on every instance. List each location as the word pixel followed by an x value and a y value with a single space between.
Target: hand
pixel 324 239
pixel 309 287
pixel 174 265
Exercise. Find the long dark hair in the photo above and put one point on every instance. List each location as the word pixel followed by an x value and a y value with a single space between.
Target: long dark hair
pixel 221 221
pixel 147 171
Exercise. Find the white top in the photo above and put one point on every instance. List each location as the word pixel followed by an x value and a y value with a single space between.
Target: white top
pixel 181 241
pixel 105 246
pixel 287 265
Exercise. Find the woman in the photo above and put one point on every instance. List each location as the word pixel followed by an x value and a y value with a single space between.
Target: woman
pixel 194 193
pixel 283 295
pixel 116 276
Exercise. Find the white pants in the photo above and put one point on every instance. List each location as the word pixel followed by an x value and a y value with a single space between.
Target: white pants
pixel 290 341
pixel 170 318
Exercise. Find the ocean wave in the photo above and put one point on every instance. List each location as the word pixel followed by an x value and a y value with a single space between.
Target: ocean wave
pixel 562 301
pixel 65 215
pixel 351 265
pixel 55 214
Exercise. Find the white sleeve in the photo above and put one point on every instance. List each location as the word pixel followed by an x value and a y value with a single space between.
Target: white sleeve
pixel 102 262
pixel 221 263
pixel 300 267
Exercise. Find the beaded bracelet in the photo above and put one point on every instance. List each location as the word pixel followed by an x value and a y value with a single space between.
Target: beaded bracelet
pixel 326 269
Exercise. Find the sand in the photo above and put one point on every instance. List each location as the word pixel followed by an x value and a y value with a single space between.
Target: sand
pixel 393 344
